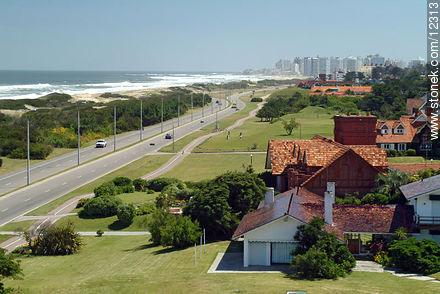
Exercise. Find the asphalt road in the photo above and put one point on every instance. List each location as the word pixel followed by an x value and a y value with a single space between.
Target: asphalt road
pixel 31 197
pixel 17 179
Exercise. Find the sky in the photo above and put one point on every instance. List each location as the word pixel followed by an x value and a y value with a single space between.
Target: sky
pixel 202 35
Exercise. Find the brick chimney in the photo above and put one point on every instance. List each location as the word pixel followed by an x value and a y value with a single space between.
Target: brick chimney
pixel 355 129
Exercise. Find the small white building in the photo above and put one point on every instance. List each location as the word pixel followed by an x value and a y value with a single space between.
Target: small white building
pixel 424 196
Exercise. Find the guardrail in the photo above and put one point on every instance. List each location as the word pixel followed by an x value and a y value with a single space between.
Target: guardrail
pixel 428 220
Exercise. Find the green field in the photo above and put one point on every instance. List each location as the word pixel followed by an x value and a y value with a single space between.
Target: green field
pixel 113 264
pixel 314 120
pixel 133 170
pixel 411 159
pixel 3 238
pixel 11 164
pixel 196 167
pixel 110 223
pixel 181 143
pixel 17 226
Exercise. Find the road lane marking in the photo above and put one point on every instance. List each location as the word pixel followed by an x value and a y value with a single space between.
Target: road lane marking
pixel 8 184
pixel 27 200
pixel 79 177
pixel 47 191
pixel 64 183
pixel 5 209
pixel 58 165
pixel 92 170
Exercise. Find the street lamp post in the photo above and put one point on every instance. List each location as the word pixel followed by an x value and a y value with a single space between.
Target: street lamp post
pixel 79 135
pixel 141 125
pixel 114 129
pixel 173 135
pixel 191 106
pixel 251 159
pixel 203 104
pixel 216 120
pixel 28 167
pixel 178 110
pixel 161 118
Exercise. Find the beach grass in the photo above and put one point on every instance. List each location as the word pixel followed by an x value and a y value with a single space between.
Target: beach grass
pixel 136 169
pixel 196 167
pixel 256 134
pixel 131 264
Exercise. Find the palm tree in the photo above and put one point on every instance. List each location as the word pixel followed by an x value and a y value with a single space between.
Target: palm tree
pixel 389 184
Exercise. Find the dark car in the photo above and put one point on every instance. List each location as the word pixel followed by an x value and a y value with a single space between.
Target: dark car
pixel 168 136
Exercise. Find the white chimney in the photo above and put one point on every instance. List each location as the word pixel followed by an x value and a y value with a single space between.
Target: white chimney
pixel 329 200
pixel 269 196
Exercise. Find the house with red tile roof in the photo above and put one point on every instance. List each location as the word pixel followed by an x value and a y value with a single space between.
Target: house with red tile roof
pixel 312 163
pixel 267 233
pixel 336 90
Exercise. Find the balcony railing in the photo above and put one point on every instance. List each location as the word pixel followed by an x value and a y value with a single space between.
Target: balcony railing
pixel 428 220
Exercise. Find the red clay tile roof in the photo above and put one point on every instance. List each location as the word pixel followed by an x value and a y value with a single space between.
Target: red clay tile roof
pixel 320 152
pixel 421 187
pixel 407 137
pixel 413 168
pixel 365 218
pixel 339 90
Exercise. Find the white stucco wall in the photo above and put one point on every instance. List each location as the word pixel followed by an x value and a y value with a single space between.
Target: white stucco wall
pixel 282 229
pixel 423 206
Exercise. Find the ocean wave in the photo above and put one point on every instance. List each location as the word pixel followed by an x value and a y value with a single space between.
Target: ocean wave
pixel 23 87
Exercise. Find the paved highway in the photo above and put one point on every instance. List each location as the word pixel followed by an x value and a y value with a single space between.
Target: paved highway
pixel 17 179
pixel 31 197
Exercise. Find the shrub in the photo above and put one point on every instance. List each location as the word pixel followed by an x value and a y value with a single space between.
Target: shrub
pixel 411 152
pixel 124 189
pixel 122 181
pixel 414 255
pixel 348 199
pixel 140 185
pixel 382 258
pixel 126 213
pixel 149 191
pixel 160 183
pixel 257 99
pixel 9 268
pixel 82 202
pixel 146 208
pixel 54 240
pixel 315 264
pixel 168 230
pixel 375 198
pixel 99 233
pixel 101 206
pixel 1 162
pixel 106 189
pixel 391 153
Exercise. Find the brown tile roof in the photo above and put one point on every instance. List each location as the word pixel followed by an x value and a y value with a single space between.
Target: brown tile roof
pixel 421 187
pixel 413 168
pixel 339 90
pixel 320 152
pixel 412 103
pixel 407 137
pixel 365 218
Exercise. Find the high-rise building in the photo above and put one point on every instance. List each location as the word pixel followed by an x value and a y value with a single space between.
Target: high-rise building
pixel 336 64
pixel 377 60
pixel 416 62
pixel 307 66
pixel 315 66
pixel 351 64
pixel 324 65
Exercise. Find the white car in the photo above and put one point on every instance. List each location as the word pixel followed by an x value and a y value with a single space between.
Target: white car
pixel 101 143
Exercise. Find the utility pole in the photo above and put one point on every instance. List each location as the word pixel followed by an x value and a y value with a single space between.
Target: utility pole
pixel 300 131
pixel 251 159
pixel 28 168
pixel 216 120
pixel 212 106
pixel 79 135
pixel 173 135
pixel 191 106
pixel 161 118
pixel 114 129
pixel 178 110
pixel 203 104
pixel 141 126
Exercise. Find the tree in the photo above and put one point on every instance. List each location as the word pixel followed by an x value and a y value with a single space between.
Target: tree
pixel 389 184
pixel 9 268
pixel 350 76
pixel 319 254
pixel 290 125
pixel 126 213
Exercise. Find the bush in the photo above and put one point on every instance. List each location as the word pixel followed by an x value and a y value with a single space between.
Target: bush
pixel 391 153
pixel 1 162
pixel 126 213
pixel 257 99
pixel 82 202
pixel 168 230
pixel 348 199
pixel 411 152
pixel 149 191
pixel 124 189
pixel 375 198
pixel 414 255
pixel 9 268
pixel 101 207
pixel 106 189
pixel 160 183
pixel 54 240
pixel 140 185
pixel 122 181
pixel 146 208
pixel 99 233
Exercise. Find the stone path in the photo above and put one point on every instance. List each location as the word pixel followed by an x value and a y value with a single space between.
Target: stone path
pixel 368 266
pixel 412 276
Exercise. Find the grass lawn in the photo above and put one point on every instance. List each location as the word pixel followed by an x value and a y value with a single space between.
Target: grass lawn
pixel 133 170
pixel 137 197
pixel 436 276
pixel 113 264
pixel 10 164
pixel 314 120
pixel 17 226
pixel 179 144
pixel 196 167
pixel 110 223
pixel 411 159
pixel 3 238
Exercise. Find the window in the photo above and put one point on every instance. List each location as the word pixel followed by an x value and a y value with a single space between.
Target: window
pixel 401 147
pixel 384 131
pixel 387 146
pixel 434 232
pixel 398 131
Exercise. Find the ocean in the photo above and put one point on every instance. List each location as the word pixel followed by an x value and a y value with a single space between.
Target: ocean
pixel 18 84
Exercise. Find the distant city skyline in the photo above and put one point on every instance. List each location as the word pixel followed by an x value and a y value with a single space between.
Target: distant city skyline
pixel 226 36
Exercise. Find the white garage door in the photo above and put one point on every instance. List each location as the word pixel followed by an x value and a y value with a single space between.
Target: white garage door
pixel 281 252
pixel 257 253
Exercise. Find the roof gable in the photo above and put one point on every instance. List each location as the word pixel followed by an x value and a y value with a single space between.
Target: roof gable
pixel 421 187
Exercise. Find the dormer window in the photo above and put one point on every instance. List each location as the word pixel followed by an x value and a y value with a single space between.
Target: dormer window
pixel 384 131
pixel 398 131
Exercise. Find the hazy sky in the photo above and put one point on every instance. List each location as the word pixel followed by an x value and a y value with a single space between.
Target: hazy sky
pixel 201 35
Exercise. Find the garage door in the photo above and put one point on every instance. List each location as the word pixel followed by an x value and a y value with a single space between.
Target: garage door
pixel 281 252
pixel 257 253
